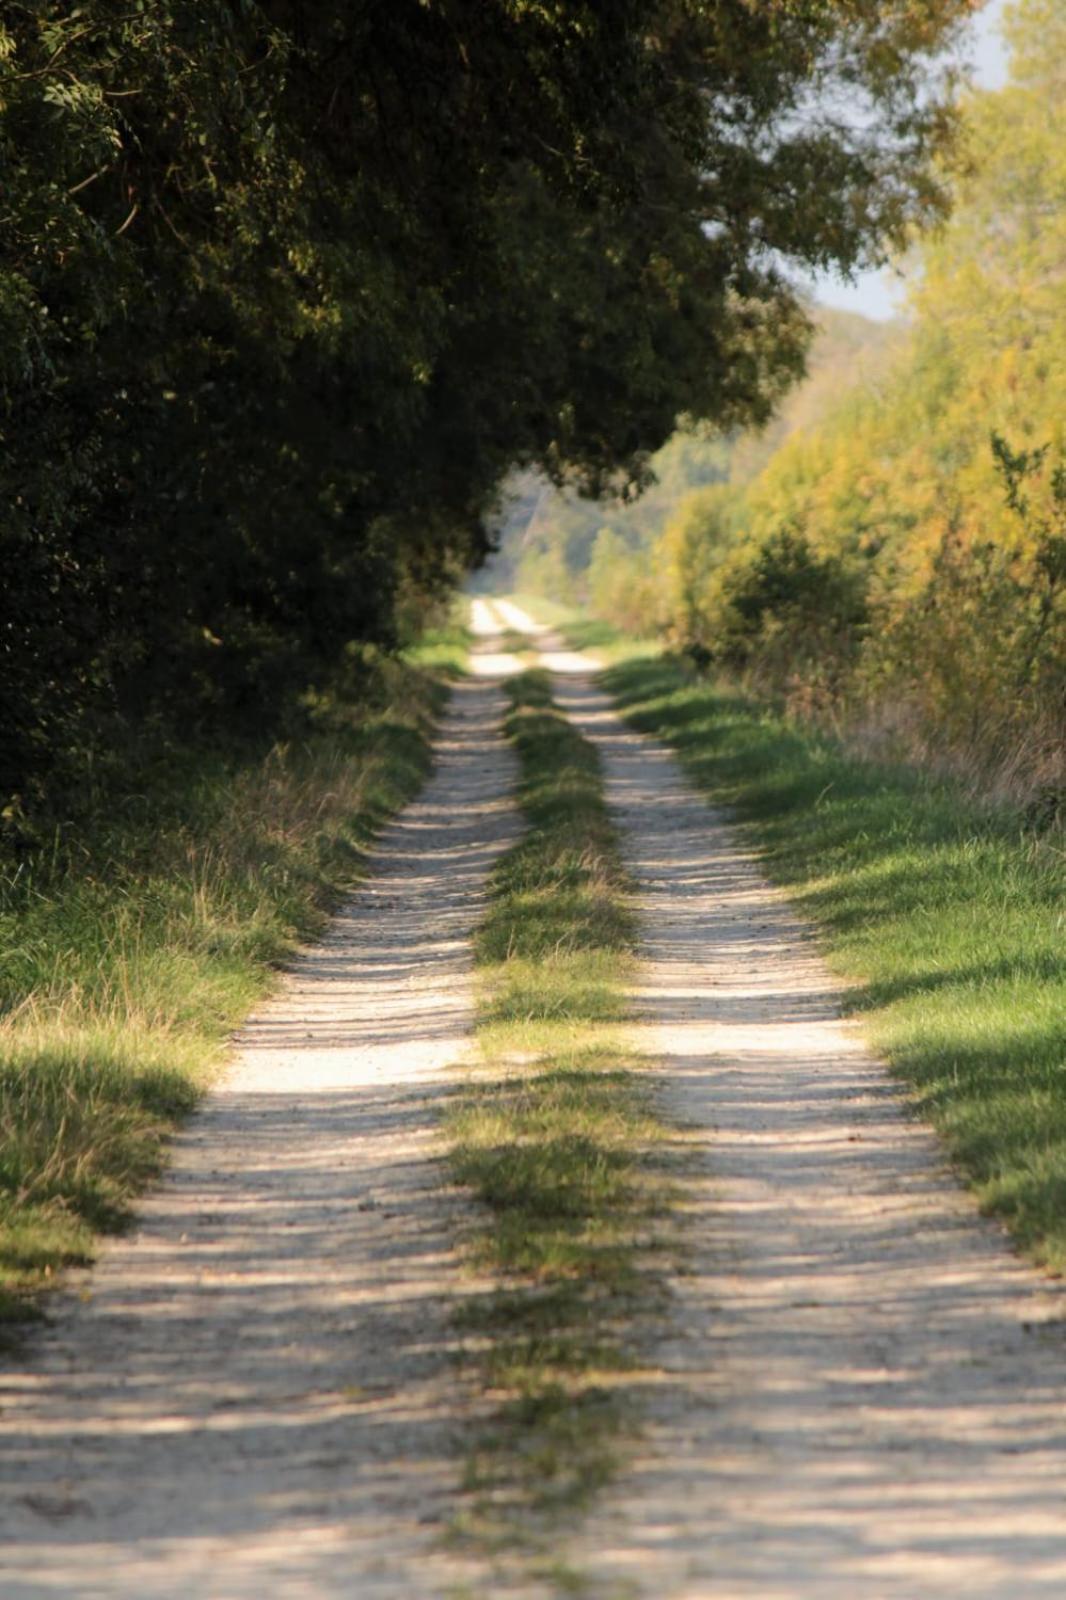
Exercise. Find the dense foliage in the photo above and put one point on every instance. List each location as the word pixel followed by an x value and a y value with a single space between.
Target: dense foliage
pixel 556 543
pixel 285 288
pixel 900 564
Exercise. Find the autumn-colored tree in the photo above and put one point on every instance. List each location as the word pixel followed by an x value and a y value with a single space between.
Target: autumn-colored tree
pixel 936 489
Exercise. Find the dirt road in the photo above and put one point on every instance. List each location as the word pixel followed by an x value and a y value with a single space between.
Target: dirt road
pixel 859 1392
pixel 256 1396
pixel 862 1393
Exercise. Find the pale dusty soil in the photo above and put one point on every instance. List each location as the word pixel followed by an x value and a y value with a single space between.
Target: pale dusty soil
pixel 255 1394
pixel 859 1392
pixel 862 1391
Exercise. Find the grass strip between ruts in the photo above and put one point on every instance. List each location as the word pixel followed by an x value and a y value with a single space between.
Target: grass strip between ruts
pixel 556 1137
pixel 945 918
pixel 130 954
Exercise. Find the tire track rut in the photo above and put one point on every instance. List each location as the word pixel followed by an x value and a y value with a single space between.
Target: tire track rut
pixel 862 1389
pixel 254 1394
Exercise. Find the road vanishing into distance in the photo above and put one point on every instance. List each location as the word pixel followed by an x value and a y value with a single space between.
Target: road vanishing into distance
pixel 856 1389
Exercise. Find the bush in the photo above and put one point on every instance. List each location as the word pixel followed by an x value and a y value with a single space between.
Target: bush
pixel 975 664
pixel 785 613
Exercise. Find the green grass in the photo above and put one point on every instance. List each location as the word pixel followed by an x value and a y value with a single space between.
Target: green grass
pixel 135 945
pixel 947 918
pixel 554 1137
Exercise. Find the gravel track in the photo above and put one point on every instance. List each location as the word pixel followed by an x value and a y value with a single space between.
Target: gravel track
pixel 862 1391
pixel 254 1393
pixel 859 1392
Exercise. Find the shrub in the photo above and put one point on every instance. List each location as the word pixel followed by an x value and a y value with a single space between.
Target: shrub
pixel 787 614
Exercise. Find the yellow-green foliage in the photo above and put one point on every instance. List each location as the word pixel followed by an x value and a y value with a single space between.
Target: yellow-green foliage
pixel 899 489
pixel 694 544
pixel 622 583
pixel 553 540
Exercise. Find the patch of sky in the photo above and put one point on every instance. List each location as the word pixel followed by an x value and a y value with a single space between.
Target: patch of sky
pixel 880 294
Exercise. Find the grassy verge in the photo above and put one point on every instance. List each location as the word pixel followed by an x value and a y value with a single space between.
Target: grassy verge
pixel 948 920
pixel 134 947
pixel 554 1137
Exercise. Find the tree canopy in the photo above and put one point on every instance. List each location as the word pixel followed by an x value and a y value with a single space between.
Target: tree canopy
pixel 286 288
pixel 903 555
